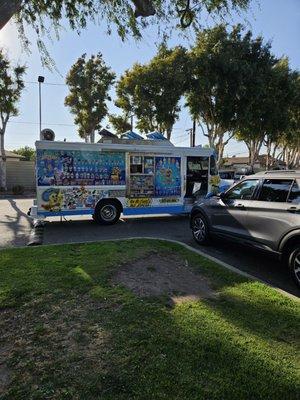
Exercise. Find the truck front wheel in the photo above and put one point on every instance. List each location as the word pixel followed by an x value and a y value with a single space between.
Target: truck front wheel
pixel 106 213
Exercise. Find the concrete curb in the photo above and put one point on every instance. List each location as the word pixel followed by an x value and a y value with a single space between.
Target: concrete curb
pixel 199 252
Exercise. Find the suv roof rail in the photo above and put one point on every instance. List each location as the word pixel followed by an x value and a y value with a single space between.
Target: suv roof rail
pixel 280 171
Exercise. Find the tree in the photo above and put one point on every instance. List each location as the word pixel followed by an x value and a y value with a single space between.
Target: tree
pixel 89 82
pixel 120 14
pixel 120 123
pixel 268 114
pixel 152 91
pixel 27 152
pixel 227 78
pixel 11 86
pixel 288 139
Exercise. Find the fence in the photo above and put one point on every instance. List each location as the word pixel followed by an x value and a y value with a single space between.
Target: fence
pixel 20 173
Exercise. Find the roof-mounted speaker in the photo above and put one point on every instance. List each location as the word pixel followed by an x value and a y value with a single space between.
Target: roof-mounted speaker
pixel 47 134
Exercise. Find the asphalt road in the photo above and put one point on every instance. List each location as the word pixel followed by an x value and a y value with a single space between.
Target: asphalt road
pixel 15 230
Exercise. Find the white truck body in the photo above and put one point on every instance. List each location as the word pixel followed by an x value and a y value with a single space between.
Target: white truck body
pixel 142 178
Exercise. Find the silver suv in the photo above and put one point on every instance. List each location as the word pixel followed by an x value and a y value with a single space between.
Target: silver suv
pixel 262 210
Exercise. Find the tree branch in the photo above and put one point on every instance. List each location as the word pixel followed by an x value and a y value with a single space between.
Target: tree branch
pixel 7 10
pixel 143 8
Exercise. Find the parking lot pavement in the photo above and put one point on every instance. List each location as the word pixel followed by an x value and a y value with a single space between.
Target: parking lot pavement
pixel 177 228
pixel 15 225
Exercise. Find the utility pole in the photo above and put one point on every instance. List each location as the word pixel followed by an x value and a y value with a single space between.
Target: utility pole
pixel 192 132
pixel 41 80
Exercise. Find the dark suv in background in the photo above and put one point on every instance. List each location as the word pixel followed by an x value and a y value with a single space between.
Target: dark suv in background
pixel 261 210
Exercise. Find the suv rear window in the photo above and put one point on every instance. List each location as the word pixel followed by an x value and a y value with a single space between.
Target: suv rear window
pixel 294 196
pixel 275 190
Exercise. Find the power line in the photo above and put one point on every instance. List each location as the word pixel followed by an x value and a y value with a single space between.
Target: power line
pixel 181 136
pixel 36 123
pixel 47 83
pixel 181 141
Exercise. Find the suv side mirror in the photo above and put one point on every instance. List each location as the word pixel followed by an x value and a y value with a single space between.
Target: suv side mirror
pixel 222 195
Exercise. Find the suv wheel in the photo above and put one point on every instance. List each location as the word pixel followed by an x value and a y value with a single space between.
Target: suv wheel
pixel 294 263
pixel 106 213
pixel 200 229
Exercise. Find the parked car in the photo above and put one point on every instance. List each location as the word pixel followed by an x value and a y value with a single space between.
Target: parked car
pixel 261 210
pixel 243 172
pixel 227 177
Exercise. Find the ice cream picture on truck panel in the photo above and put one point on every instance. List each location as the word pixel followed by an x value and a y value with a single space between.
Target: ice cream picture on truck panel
pixel 121 176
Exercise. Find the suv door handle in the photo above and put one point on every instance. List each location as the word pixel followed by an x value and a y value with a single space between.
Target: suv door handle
pixel 240 206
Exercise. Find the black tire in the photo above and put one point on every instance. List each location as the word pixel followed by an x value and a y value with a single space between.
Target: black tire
pixel 107 212
pixel 200 229
pixel 294 263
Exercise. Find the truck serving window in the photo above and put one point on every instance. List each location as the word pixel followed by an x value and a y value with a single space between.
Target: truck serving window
pixel 141 176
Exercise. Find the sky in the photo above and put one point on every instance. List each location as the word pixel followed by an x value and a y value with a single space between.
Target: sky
pixel 277 21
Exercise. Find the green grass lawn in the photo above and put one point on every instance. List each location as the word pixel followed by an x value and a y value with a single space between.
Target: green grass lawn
pixel 66 332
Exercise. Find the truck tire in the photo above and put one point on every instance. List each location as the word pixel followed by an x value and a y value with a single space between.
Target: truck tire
pixel 107 212
pixel 294 263
pixel 200 229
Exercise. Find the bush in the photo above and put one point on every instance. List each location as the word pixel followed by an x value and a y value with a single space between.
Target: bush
pixel 18 189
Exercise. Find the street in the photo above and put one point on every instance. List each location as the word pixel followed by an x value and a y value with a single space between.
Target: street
pixel 15 231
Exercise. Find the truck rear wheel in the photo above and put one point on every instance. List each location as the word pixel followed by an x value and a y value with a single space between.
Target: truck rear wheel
pixel 107 213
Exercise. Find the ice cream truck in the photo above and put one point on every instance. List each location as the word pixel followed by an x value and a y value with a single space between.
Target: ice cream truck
pixel 126 176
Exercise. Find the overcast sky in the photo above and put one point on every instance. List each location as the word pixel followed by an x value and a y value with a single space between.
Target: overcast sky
pixel 275 20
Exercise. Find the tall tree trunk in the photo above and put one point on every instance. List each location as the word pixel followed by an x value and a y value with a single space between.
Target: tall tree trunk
pixel 268 160
pixel 2 163
pixel 7 9
pixel 169 133
pixel 92 137
pixel 287 158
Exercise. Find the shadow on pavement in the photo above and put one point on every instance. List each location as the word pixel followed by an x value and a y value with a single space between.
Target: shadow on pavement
pixel 15 224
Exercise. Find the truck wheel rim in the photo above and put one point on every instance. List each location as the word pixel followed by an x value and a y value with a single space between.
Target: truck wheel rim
pixel 297 266
pixel 108 212
pixel 199 229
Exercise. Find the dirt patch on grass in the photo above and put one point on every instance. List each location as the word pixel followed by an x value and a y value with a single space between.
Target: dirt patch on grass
pixel 163 274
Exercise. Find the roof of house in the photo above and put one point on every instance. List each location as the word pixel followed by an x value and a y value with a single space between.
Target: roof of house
pixel 245 160
pixel 236 160
pixel 10 154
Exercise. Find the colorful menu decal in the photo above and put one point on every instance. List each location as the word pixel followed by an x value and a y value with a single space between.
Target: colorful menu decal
pixel 167 176
pixel 79 168
pixel 70 198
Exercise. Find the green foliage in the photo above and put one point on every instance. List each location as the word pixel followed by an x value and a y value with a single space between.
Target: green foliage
pixel 119 123
pixel 11 86
pixel 69 333
pixel 274 118
pixel 152 91
pixel 89 82
pixel 120 15
pixel 228 83
pixel 27 152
